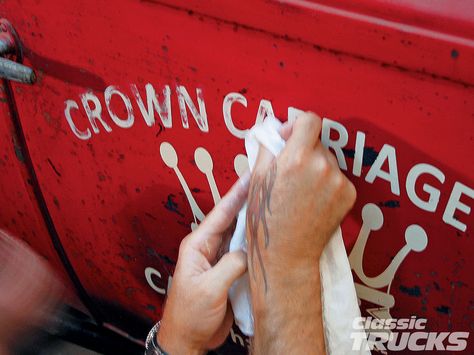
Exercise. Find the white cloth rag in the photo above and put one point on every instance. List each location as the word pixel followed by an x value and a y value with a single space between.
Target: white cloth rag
pixel 338 295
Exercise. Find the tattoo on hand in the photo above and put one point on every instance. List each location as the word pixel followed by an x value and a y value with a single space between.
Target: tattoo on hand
pixel 259 204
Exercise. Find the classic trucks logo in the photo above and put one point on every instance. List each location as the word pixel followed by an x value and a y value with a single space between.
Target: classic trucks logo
pixel 403 334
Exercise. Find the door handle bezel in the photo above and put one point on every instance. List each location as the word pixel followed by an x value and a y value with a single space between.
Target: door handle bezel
pixel 11 56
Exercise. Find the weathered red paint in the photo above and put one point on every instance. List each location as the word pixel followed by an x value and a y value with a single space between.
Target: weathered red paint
pixel 19 212
pixel 402 74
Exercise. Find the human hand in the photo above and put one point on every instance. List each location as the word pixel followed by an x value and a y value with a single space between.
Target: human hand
pixel 197 315
pixel 29 291
pixel 296 202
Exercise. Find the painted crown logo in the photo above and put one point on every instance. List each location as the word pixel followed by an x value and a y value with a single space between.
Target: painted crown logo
pixel 203 161
pixel 416 240
pixel 369 288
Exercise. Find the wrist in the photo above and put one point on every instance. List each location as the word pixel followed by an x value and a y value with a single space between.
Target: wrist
pixel 287 281
pixel 292 273
pixel 173 342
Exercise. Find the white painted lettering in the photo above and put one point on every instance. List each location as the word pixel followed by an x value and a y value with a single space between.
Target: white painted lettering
pixel 415 172
pixel 84 135
pixel 94 115
pixel 184 101
pixel 337 144
pixel 123 123
pixel 386 153
pixel 153 104
pixel 264 109
pixel 358 154
pixel 454 203
pixel 229 100
pixel 293 113
pixel 149 272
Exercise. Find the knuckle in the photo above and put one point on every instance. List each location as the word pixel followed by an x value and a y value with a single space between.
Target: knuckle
pixel 339 181
pixel 308 121
pixel 323 166
pixel 233 260
pixel 298 161
pixel 351 193
pixel 183 246
pixel 314 117
pixel 289 163
pixel 332 158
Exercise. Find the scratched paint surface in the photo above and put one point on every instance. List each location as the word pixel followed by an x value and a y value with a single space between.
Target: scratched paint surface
pixel 119 205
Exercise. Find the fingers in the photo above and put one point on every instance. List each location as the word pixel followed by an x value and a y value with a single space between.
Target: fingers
pixel 208 236
pixel 228 269
pixel 305 132
pixel 325 163
pixel 286 129
pixel 328 156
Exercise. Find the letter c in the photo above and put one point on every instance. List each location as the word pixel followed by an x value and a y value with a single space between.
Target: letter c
pixel 84 135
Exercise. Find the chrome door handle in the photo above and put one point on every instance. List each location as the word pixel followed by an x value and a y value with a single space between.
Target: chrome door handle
pixel 11 56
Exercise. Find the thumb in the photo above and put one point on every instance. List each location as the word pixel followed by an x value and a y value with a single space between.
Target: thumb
pixel 229 268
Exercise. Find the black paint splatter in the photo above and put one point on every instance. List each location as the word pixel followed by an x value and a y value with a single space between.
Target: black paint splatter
pixel 390 204
pixel 411 291
pixel 172 206
pixel 443 309
pixel 370 154
pixel 152 252
pixel 54 168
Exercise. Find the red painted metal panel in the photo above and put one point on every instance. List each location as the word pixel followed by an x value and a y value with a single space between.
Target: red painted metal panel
pixel 116 197
pixel 433 37
pixel 20 216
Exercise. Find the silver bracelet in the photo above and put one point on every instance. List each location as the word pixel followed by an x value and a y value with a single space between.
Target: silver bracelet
pixel 151 345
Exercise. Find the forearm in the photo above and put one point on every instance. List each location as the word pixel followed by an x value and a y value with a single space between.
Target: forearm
pixel 288 316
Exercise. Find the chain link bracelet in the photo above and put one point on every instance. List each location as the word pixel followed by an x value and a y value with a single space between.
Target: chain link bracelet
pixel 152 347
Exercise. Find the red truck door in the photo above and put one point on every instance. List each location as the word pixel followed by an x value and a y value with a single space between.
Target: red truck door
pixel 135 127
